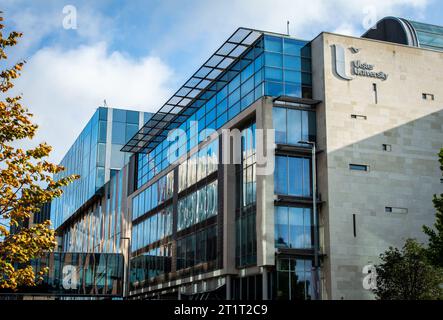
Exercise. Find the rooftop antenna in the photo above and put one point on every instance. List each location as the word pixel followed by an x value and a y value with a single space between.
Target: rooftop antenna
pixel 105 104
pixel 287 27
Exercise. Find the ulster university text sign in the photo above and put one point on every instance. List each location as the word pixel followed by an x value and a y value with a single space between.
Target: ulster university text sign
pixel 358 68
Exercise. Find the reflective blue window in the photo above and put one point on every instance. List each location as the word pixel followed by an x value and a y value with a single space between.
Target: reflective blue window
pixel 279 119
pixel 118 132
pixel 293 76
pixel 273 89
pixel 293 227
pixel 234 97
pixel 119 115
pixel 132 117
pixel 273 59
pixel 273 74
pixel 281 175
pixel 274 44
pixel 292 176
pixel 102 131
pixel 103 114
pixel 222 106
pixel 293 90
pixel 293 63
pixel 221 120
pixel 234 110
pixel 293 126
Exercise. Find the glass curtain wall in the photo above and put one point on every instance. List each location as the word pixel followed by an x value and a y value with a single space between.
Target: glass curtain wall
pixel 246 235
pixel 99 228
pixel 287 69
pixel 293 125
pixel 294 279
pixel 293 228
pixel 274 66
pixel 292 176
pixel 86 157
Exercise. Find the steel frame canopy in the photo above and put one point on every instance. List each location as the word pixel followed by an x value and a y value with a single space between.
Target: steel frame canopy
pixel 181 105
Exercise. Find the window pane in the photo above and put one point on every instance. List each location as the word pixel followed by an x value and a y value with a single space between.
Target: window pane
pixel 295 176
pixel 281 175
pixel 273 44
pixel 118 132
pixel 296 229
pixel 291 62
pixel 279 115
pixel 119 115
pixel 294 130
pixel 307 184
pixel 273 89
pixel 273 59
pixel 273 74
pixel 293 47
pixel 281 227
pixel 293 76
pixel 102 131
pixel 132 117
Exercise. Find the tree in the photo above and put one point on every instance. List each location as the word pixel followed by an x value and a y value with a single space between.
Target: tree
pixel 25 182
pixel 435 246
pixel 407 274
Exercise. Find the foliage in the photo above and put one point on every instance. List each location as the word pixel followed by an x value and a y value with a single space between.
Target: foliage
pixel 25 181
pixel 407 275
pixel 435 250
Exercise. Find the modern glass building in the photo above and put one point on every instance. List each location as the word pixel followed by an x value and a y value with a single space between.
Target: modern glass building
pixel 181 207
pixel 94 155
pixel 220 197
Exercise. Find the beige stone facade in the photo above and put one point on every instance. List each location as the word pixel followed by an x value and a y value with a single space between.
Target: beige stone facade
pixel 405 177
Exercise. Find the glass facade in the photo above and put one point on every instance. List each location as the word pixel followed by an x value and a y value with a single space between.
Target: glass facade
pixel 86 158
pixel 149 265
pixel 294 279
pixel 429 36
pixel 199 166
pixel 98 228
pixel 293 228
pixel 153 196
pixel 80 274
pixel 294 125
pixel 92 156
pixel 274 66
pixel 155 228
pixel 292 176
pixel 246 234
pixel 196 248
pixel 195 232
pixel 197 206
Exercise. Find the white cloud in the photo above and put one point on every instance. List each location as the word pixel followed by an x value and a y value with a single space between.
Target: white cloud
pixel 63 88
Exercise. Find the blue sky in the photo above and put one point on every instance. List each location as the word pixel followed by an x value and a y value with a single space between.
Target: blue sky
pixel 136 53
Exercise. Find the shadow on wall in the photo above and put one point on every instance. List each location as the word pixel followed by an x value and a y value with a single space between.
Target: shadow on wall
pixel 391 201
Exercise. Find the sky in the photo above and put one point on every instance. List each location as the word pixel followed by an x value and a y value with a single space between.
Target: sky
pixel 136 54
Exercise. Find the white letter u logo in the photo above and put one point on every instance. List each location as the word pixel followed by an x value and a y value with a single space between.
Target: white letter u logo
pixel 340 62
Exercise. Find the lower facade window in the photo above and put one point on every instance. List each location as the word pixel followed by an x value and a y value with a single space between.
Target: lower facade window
pixel 196 248
pixel 247 288
pixel 294 279
pixel 149 265
pixel 293 228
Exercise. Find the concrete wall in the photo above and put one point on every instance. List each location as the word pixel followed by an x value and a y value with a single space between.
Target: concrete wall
pixel 407 177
